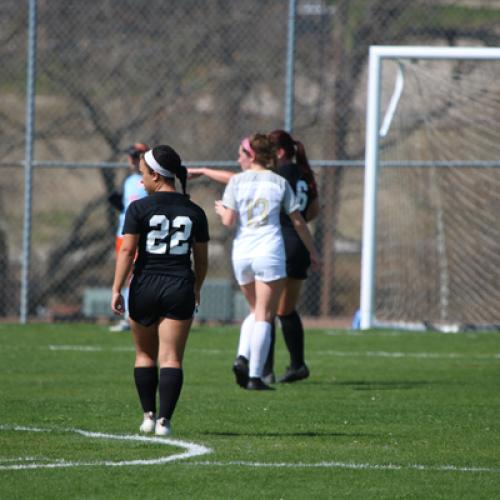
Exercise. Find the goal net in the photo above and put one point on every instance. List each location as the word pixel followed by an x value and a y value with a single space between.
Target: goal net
pixel 431 235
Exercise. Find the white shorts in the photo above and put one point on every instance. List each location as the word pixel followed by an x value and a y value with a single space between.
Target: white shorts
pixel 259 268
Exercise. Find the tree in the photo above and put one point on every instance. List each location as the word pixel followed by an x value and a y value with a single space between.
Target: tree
pixel 200 75
pixel 357 25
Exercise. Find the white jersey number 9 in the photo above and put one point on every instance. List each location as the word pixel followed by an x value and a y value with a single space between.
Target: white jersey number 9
pixel 156 241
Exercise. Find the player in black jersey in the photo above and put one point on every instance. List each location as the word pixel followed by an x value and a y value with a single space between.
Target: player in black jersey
pixel 165 228
pixel 294 166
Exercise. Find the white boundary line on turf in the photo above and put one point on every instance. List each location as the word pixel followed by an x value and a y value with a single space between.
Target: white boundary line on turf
pixel 88 348
pixel 191 450
pixel 395 354
pixel 376 354
pixel 348 465
pixel 80 348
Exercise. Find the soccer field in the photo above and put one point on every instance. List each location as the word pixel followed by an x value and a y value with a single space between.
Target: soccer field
pixel 385 414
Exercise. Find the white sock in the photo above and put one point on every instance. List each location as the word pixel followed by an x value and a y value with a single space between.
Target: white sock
pixel 259 347
pixel 246 331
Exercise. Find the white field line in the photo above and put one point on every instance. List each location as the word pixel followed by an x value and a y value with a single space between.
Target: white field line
pixel 375 354
pixel 358 333
pixel 346 332
pixel 349 465
pixel 88 348
pixel 191 450
pixel 394 354
pixel 81 348
pixel 23 459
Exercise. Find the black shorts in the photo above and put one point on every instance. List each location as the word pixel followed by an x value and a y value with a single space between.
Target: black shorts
pixel 155 296
pixel 297 256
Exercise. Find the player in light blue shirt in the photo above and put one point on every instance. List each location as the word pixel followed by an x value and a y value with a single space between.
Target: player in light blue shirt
pixel 133 189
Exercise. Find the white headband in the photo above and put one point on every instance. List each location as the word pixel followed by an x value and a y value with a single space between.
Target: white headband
pixel 152 163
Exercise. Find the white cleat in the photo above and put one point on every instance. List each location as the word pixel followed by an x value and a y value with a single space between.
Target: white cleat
pixel 148 424
pixel 163 427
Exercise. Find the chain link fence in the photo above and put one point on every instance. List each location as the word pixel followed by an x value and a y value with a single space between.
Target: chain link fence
pixel 200 76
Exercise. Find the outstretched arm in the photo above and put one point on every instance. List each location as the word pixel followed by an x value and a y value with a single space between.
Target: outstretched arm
pixel 215 174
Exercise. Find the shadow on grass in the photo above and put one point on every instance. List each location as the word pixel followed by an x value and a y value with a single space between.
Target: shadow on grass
pixel 384 385
pixel 290 434
pixel 370 385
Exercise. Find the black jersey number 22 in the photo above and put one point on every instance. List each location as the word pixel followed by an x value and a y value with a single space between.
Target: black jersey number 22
pixel 179 229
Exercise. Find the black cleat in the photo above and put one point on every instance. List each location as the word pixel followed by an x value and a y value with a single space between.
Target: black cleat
pixel 256 384
pixel 294 374
pixel 240 370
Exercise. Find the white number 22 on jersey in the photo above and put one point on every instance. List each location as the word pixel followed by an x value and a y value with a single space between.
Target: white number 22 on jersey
pixel 156 241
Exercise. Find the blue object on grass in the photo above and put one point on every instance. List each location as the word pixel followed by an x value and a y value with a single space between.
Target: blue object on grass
pixel 356 320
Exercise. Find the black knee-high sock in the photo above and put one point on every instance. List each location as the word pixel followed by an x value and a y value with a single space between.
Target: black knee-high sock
pixel 293 332
pixel 146 381
pixel 170 388
pixel 269 364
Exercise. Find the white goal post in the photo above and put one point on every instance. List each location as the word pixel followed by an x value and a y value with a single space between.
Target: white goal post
pixel 443 244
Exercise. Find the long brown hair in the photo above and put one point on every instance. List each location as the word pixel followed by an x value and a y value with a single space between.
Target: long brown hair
pixel 264 151
pixel 295 152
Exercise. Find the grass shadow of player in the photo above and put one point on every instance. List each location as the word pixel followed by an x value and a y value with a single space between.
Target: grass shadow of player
pixel 311 434
pixel 384 385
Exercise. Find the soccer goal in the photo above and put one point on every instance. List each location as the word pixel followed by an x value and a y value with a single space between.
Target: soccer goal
pixel 431 221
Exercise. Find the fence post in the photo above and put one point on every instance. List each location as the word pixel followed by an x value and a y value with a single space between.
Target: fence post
pixel 290 65
pixel 28 158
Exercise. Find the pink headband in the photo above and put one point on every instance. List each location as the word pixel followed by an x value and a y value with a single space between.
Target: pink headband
pixel 245 144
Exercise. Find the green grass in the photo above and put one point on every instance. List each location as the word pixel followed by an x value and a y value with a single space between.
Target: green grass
pixel 376 405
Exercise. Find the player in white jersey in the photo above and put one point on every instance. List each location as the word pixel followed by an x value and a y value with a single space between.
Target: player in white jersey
pixel 293 165
pixel 133 189
pixel 253 201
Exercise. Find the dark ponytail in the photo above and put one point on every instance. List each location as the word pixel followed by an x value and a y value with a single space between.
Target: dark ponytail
pixel 295 151
pixel 181 173
pixel 303 164
pixel 169 159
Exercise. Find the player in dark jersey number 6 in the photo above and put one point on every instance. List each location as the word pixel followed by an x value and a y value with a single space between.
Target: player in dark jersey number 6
pixel 294 166
pixel 164 228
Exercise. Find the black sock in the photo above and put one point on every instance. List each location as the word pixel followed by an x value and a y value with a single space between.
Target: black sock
pixel 293 333
pixel 170 389
pixel 269 364
pixel 146 382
